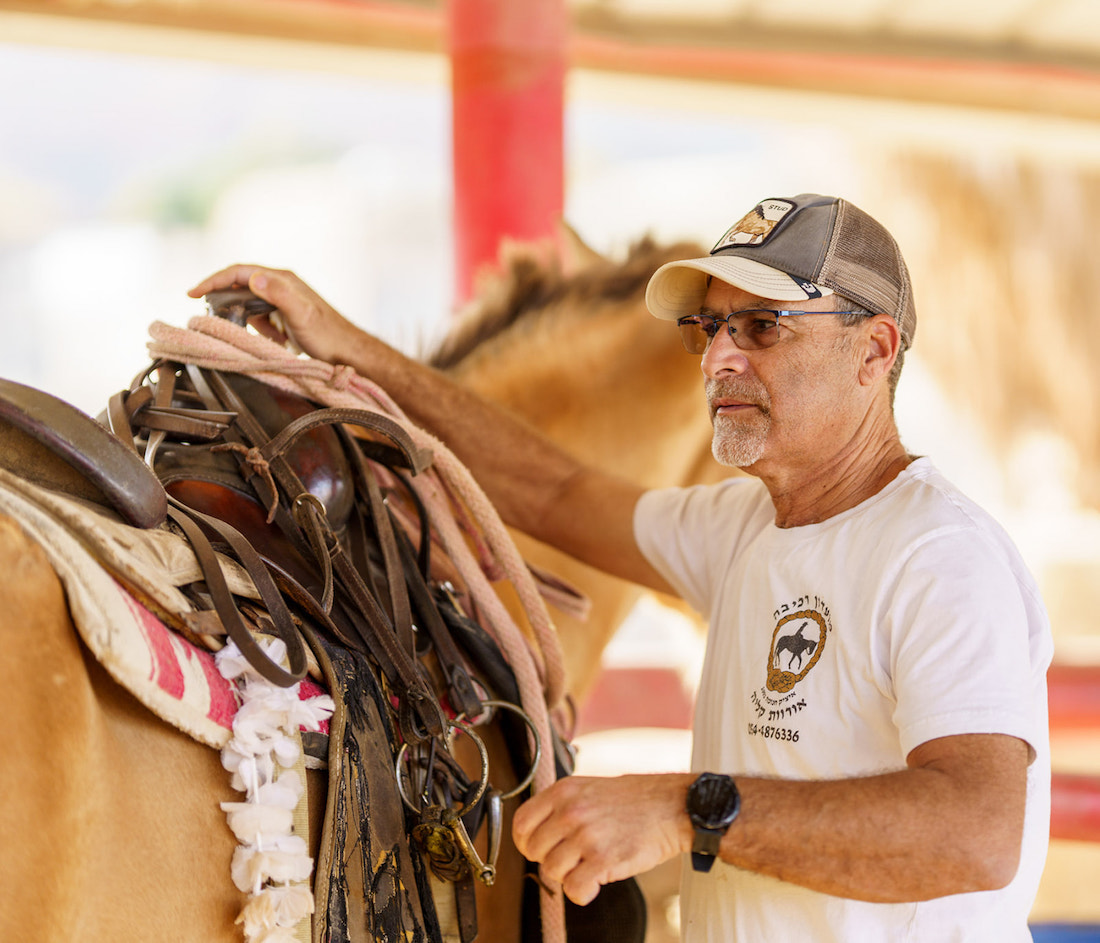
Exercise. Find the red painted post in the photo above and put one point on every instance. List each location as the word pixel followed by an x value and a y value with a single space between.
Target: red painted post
pixel 508 76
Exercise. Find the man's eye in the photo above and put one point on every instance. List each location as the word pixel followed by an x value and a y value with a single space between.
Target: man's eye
pixel 762 325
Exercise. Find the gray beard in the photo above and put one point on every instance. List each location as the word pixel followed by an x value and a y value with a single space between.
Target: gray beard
pixel 739 442
pixel 739 448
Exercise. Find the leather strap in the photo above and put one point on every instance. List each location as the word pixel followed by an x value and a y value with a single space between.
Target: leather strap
pixel 188 521
pixel 397 661
pixel 460 689
pixel 400 611
pixel 166 386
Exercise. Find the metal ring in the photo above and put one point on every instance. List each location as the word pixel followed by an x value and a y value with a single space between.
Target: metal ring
pixel 483 781
pixel 516 709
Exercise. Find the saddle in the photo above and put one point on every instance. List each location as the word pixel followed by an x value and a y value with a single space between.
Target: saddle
pixel 35 427
pixel 317 505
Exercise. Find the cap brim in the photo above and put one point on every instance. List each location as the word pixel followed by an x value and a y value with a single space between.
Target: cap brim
pixel 677 289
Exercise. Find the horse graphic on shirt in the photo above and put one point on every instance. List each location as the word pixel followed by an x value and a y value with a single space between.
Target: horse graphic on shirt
pixel 797 645
pixel 802 652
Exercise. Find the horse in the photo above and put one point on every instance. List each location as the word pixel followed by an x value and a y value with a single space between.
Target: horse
pixel 111 823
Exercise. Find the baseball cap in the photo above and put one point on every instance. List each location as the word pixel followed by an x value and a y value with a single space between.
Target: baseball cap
pixel 792 249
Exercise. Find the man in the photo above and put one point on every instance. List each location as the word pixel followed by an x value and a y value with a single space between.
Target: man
pixel 870 758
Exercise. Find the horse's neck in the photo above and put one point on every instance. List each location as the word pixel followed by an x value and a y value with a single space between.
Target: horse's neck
pixel 614 389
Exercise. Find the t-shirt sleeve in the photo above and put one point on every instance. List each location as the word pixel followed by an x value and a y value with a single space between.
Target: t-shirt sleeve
pixel 963 644
pixel 689 535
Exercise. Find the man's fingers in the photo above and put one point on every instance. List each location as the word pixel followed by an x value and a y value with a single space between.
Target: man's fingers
pixel 274 332
pixel 570 864
pixel 528 818
pixel 560 860
pixel 586 832
pixel 288 293
pixel 237 275
pixel 583 882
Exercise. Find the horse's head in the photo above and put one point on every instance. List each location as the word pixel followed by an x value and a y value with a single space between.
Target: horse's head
pixel 540 281
pixel 563 338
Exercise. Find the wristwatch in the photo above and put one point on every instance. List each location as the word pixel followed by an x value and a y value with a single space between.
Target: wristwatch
pixel 712 804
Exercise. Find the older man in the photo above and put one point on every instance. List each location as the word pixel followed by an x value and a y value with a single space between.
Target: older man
pixel 870 758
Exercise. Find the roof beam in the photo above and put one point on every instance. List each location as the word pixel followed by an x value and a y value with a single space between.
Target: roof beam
pixel 883 65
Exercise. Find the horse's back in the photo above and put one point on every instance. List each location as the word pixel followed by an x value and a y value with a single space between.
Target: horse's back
pixel 109 824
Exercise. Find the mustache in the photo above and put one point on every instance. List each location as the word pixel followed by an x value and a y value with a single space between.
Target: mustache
pixel 739 390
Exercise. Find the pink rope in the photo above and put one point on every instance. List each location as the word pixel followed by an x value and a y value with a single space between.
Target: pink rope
pixel 218 344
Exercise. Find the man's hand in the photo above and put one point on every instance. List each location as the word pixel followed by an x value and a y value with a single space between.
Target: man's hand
pixel 589 832
pixel 308 320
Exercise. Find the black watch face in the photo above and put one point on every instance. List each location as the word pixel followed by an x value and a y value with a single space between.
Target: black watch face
pixel 713 801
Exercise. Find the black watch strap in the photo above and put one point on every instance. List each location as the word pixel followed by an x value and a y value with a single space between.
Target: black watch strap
pixel 701 862
pixel 705 848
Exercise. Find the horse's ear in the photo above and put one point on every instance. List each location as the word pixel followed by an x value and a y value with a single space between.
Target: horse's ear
pixel 576 254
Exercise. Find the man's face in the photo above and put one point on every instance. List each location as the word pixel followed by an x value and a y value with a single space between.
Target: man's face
pixel 784 405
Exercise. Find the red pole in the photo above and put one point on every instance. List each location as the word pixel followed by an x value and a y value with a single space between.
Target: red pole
pixel 508 76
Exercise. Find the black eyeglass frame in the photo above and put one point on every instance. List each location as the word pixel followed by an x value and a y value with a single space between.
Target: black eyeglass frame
pixel 709 325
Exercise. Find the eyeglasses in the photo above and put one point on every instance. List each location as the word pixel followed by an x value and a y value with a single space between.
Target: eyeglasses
pixel 751 329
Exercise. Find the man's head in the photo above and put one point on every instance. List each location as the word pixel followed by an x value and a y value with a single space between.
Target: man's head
pixel 803 255
pixel 794 249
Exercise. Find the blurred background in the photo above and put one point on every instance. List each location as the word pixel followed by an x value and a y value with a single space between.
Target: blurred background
pixel 146 143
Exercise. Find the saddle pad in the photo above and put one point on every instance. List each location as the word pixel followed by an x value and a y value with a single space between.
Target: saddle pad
pixel 175 679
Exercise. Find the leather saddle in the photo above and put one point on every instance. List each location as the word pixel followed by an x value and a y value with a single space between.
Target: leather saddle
pixel 52 443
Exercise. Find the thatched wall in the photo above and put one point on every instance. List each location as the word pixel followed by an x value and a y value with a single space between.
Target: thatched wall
pixel 1004 254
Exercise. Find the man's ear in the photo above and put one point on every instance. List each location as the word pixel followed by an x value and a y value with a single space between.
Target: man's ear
pixel 882 345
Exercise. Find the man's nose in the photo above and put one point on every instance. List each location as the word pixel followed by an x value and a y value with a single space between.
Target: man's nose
pixel 723 356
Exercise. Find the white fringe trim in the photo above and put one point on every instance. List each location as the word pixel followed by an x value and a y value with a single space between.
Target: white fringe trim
pixel 271 864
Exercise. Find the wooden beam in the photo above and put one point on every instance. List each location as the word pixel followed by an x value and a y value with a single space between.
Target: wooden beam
pixel 360 23
pixel 881 66
pixel 1044 87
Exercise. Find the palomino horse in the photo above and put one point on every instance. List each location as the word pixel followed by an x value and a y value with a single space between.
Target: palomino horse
pixel 110 824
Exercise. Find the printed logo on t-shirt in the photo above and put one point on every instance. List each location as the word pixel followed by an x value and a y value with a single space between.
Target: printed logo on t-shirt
pixel 798 640
pixel 797 644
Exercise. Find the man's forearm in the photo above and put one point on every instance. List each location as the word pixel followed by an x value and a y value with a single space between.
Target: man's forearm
pixel 950 823
pixel 911 835
pixel 881 840
pixel 521 471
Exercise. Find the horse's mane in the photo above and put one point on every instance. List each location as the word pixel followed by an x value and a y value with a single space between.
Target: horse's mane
pixel 530 285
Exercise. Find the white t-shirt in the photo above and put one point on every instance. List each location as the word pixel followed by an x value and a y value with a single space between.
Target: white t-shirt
pixel 836 648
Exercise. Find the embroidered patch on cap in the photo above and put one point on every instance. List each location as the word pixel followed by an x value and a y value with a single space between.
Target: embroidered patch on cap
pixel 756 226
